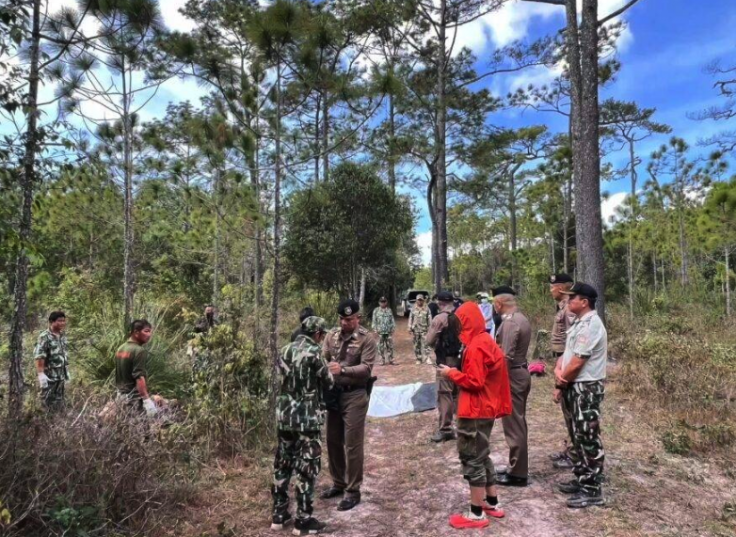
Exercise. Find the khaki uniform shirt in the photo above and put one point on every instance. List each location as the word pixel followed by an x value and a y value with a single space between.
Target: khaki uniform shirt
pixel 588 339
pixel 514 337
pixel 356 353
pixel 563 322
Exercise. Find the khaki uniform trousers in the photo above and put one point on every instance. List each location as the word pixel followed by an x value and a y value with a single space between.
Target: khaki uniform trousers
pixel 345 437
pixel 514 425
pixel 447 394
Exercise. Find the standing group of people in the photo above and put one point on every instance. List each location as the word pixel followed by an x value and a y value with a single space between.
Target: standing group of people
pixel 51 356
pixel 482 376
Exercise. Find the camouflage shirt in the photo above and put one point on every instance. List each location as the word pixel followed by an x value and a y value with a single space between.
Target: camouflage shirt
pixel 304 374
pixel 383 321
pixel 53 350
pixel 419 319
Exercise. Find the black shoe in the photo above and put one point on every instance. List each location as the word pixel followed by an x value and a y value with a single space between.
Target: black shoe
pixel 348 503
pixel 564 464
pixel 442 437
pixel 569 487
pixel 508 480
pixel 279 521
pixel 586 499
pixel 558 456
pixel 332 492
pixel 309 526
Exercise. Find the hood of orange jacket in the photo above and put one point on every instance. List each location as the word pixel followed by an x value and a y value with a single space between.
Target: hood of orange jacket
pixel 472 322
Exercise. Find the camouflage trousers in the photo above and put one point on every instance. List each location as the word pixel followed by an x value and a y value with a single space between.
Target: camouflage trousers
pixel 297 453
pixel 584 400
pixel 474 448
pixel 386 348
pixel 421 349
pixel 52 396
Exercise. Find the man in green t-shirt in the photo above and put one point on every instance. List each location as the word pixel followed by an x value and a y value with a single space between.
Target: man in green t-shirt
pixel 130 367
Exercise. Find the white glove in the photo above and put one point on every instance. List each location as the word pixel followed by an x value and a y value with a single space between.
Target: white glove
pixel 150 407
pixel 43 380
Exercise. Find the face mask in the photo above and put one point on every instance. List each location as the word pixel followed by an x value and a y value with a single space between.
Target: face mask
pixel 484 301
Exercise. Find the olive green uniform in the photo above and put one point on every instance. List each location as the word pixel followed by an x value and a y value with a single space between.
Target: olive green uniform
pixel 53 350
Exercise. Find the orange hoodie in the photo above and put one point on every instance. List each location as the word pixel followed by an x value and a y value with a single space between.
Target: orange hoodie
pixel 484 380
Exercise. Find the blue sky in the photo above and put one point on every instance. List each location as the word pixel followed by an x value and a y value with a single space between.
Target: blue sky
pixel 663 52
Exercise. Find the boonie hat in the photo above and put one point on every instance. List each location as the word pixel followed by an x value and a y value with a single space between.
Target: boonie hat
pixel 314 324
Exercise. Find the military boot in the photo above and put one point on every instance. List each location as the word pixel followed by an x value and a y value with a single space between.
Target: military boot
pixel 586 499
pixel 309 526
pixel 280 520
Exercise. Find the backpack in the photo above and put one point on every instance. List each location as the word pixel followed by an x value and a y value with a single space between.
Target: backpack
pixel 449 340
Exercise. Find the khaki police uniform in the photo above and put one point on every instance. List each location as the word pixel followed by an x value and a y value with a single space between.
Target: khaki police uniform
pixel 356 353
pixel 514 337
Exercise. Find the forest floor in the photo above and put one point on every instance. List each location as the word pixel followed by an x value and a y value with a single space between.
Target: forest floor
pixel 412 485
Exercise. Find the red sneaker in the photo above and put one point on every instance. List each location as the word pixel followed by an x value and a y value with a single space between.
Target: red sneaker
pixel 468 521
pixel 494 511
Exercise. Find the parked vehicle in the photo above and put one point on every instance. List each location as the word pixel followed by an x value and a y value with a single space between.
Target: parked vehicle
pixel 407 303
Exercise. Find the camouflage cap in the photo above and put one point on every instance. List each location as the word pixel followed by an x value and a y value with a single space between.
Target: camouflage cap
pixel 314 324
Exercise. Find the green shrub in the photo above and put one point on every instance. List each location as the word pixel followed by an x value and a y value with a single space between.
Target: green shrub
pixel 677 441
pixel 230 401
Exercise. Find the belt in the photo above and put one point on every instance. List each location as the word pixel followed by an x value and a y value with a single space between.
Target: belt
pixel 557 354
pixel 520 366
pixel 352 387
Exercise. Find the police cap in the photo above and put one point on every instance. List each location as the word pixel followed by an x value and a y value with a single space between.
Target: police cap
pixel 348 307
pixel 584 290
pixel 561 278
pixel 503 290
pixel 445 296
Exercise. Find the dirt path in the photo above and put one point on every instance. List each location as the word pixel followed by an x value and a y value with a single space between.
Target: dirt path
pixel 411 485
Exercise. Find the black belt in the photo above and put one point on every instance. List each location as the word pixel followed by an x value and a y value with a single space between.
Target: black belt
pixel 557 354
pixel 352 387
pixel 520 366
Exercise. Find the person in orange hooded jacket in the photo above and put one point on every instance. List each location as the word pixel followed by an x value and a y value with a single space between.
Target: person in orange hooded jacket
pixel 485 396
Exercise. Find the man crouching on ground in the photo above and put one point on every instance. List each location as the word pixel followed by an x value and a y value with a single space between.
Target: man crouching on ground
pixel 484 396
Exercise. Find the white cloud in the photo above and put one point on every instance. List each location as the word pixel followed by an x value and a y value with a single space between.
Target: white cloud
pixel 609 207
pixel 424 241
pixel 173 19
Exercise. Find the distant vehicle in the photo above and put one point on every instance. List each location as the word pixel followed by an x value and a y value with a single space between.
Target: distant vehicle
pixel 407 303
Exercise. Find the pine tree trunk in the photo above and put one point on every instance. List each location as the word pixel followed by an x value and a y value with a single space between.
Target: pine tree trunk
pixel 513 230
pixel 325 136
pixel 728 281
pixel 654 271
pixel 392 144
pixel 634 204
pixel 15 373
pixel 589 226
pixel 216 267
pixel 566 226
pixel 361 300
pixel 317 139
pixel 276 289
pixel 441 140
pixel 128 231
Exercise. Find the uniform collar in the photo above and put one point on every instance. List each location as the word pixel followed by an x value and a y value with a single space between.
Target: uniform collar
pixel 586 317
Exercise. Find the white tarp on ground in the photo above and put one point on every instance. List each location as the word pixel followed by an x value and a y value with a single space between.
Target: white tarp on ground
pixel 388 401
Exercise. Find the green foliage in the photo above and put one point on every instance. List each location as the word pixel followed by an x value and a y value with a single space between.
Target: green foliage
pixel 230 390
pixel 349 223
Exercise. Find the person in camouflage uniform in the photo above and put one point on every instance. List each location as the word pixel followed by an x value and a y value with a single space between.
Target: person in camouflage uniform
pixel 581 377
pixel 419 321
pixel 52 361
pixel 300 413
pixel 384 325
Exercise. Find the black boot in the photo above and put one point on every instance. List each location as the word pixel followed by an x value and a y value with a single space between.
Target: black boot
pixel 309 526
pixel 280 520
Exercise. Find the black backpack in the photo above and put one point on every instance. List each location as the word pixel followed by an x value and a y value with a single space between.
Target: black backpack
pixel 449 341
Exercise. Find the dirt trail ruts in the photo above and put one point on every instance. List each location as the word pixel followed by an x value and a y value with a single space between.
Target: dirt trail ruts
pixel 412 485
